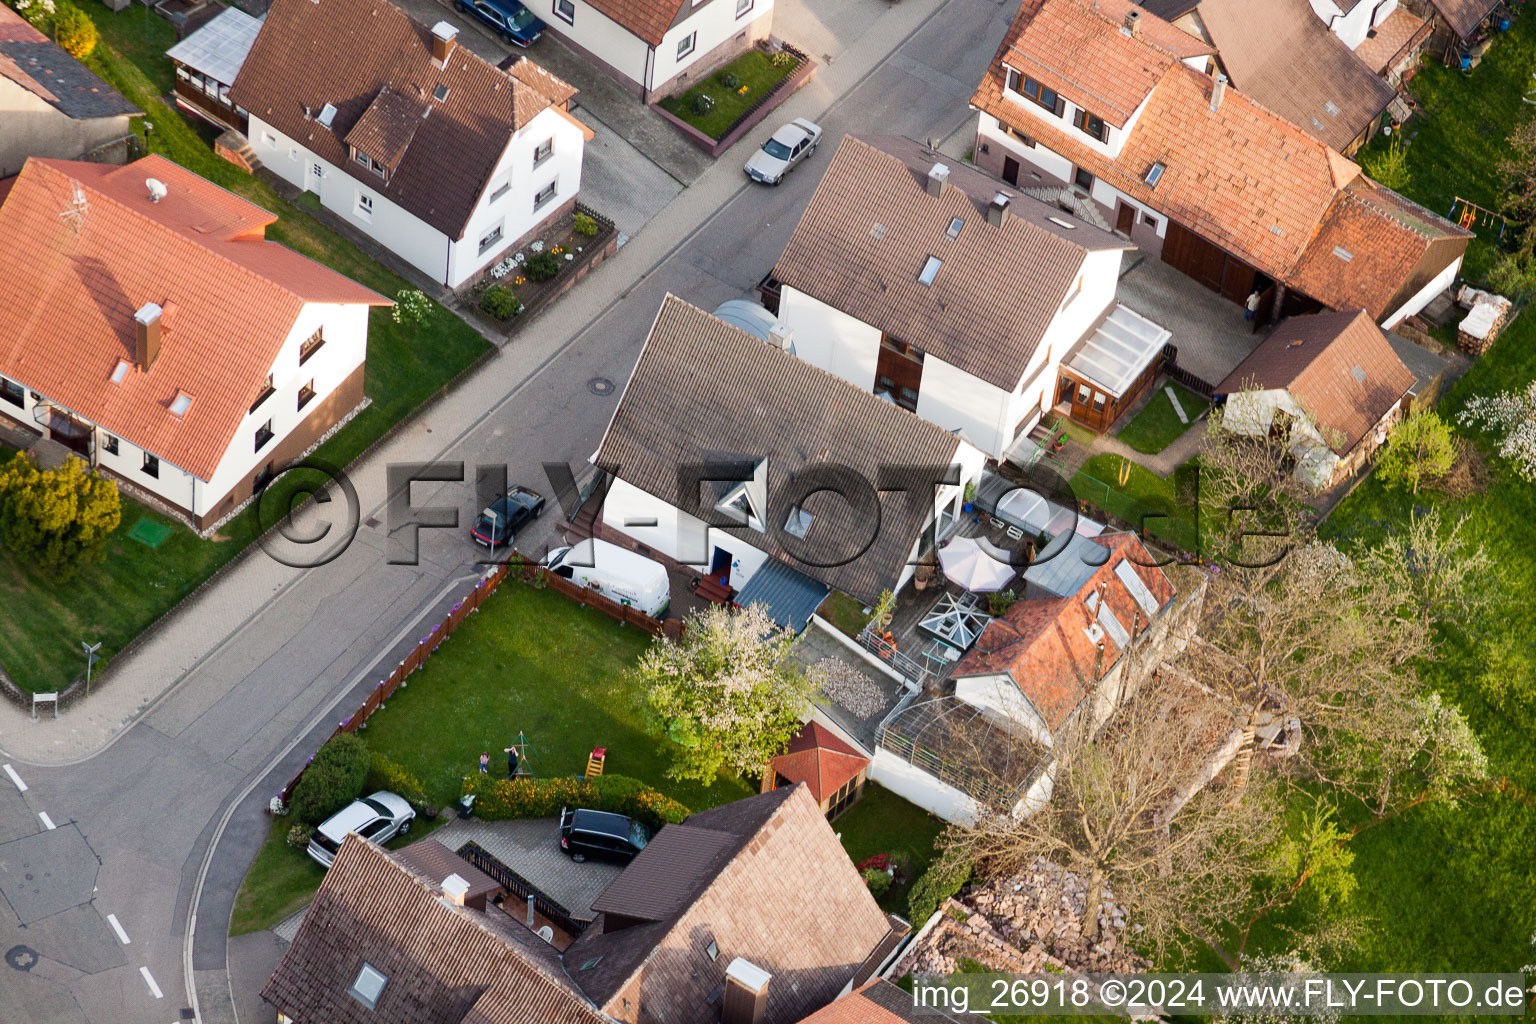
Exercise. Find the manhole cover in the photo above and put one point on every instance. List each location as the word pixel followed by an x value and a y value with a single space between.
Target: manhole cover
pixel 22 958
pixel 600 386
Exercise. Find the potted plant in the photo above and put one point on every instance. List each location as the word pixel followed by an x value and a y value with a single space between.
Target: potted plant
pixel 970 497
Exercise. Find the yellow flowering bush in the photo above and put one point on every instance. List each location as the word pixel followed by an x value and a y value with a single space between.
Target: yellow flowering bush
pixel 499 799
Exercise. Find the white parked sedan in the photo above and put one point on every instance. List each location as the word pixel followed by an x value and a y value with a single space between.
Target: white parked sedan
pixel 789 146
pixel 379 818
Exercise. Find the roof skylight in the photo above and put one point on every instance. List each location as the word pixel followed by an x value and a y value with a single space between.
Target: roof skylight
pixel 327 115
pixel 930 270
pixel 181 403
pixel 1154 173
pixel 368 986
pixel 120 371
pixel 954 228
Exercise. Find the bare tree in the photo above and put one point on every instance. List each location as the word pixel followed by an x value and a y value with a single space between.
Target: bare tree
pixel 1433 572
pixel 1109 819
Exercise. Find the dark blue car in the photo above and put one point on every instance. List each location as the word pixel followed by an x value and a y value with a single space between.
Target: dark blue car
pixel 508 18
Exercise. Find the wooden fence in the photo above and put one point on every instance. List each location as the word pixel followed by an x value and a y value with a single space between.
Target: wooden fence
pixel 530 573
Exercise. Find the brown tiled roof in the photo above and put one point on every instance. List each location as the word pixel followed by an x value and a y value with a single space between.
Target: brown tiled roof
pixel 648 19
pixel 1338 366
pixel 1374 250
pixel 1043 644
pixel 42 67
pixel 878 1002
pixel 871 226
pixel 1169 10
pixel 1242 176
pixel 669 873
pixel 445 964
pixel 344 52
pixel 820 760
pixel 1281 54
pixel 388 126
pixel 1077 48
pixel 430 860
pixel 704 391
pixel 69 288
pixel 1387 39
pixel 1463 15
pixel 557 90
pixel 787 899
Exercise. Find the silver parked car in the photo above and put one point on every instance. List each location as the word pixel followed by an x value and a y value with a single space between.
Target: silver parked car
pixel 789 146
pixel 378 818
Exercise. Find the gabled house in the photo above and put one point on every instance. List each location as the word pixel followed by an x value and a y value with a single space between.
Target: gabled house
pixel 959 298
pixel 1279 54
pixel 146 324
pixel 1219 186
pixel 1335 378
pixel 51 105
pixel 754 902
pixel 442 158
pixel 384 941
pixel 656 47
pixel 1051 658
pixel 729 453
pixel 832 770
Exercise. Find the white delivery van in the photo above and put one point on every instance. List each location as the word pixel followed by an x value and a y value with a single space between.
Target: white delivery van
pixel 616 573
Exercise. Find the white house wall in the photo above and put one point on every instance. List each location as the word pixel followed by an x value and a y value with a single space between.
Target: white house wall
pixel 955 400
pixel 1252 412
pixel 916 786
pixel 600 35
pixel 831 339
pixel 714 22
pixel 677 534
pixel 451 261
pixel 346 340
pixel 1423 296
pixel 1000 698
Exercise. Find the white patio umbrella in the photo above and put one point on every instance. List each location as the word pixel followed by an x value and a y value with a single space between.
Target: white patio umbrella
pixel 969 566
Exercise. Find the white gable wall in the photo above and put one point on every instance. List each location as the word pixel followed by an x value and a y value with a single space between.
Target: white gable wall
pixel 831 339
pixel 599 34
pixel 711 23
pixel 1441 282
pixel 1002 700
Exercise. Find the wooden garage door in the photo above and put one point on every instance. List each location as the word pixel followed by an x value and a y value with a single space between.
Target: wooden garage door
pixel 1208 263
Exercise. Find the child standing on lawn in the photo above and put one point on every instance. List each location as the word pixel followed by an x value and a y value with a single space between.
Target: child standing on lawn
pixel 485 763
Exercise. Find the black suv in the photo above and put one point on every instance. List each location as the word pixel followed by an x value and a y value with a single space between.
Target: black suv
pixel 586 834
pixel 498 525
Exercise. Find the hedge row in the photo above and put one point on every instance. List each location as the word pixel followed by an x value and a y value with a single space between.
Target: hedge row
pixel 497 799
pixel 941 881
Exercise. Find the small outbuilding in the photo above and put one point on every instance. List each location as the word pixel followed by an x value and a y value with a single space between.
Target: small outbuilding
pixel 831 769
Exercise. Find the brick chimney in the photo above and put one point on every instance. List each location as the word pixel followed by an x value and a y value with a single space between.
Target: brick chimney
pixel 1218 90
pixel 146 324
pixel 444 37
pixel 938 177
pixel 1132 24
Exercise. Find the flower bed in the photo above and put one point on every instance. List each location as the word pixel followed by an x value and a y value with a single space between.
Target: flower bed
pixel 715 103
pixel 520 283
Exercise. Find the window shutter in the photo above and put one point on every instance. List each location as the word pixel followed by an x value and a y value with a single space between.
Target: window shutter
pixel 1061 105
pixel 1080 119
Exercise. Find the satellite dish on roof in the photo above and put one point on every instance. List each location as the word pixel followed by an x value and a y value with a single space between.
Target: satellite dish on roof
pixel 157 189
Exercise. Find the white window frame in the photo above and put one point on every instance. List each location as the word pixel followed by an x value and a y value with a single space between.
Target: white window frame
pixel 744 7
pixel 364 207
pixel 491 238
pixel 544 196
pixel 565 10
pixel 687 44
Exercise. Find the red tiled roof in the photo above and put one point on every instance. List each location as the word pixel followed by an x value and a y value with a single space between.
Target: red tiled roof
pixel 878 1002
pixel 1387 39
pixel 648 19
pixel 344 52
pixel 16 29
pixel 1044 645
pixel 1079 50
pixel 557 90
pixel 1241 176
pixel 1338 366
pixel 69 287
pixel 819 759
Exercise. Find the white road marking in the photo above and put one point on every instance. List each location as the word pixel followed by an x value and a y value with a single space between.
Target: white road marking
pixel 21 787
pixel 47 821
pixel 112 920
pixel 150 981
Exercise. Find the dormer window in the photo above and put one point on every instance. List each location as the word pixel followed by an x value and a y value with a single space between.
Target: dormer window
pixel 930 270
pixel 1090 125
pixel 747 501
pixel 367 161
pixel 1036 92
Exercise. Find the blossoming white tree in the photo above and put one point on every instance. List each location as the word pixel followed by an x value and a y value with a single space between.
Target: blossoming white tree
pixel 1512 415
pixel 726 693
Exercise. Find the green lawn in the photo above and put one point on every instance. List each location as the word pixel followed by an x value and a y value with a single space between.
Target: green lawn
pixel 1452 887
pixel 1459 137
pixel 847 614
pixel 882 822
pixel 1157 425
pixel 758 75
pixel 115 601
pixel 1143 493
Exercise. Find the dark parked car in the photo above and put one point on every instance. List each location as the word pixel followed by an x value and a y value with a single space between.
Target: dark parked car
pixel 497 525
pixel 508 18
pixel 600 834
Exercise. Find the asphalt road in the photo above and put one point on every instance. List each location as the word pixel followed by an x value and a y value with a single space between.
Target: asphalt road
pixel 134 823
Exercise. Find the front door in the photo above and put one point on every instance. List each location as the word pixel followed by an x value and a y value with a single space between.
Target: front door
pixel 1125 219
pixel 1011 171
pixel 720 566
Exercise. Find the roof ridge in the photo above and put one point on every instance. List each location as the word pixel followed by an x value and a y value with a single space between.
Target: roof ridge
pixel 1098 12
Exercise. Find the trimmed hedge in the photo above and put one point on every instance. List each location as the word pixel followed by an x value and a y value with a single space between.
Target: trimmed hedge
pixel 333 779
pixel 386 774
pixel 498 799
pixel 941 881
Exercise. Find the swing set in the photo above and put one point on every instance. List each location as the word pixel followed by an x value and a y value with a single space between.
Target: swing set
pixel 1469 215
